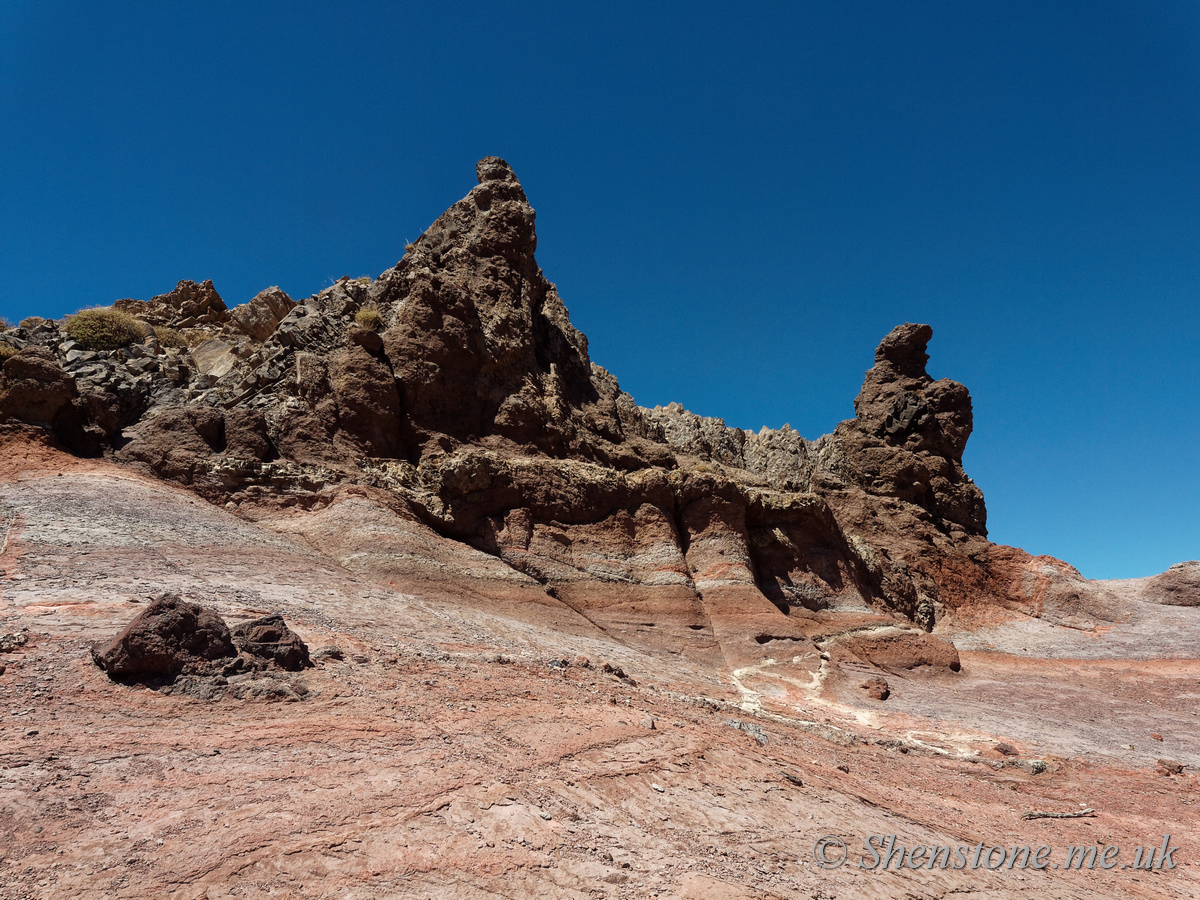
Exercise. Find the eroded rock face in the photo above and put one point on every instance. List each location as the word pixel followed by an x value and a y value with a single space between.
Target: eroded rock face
pixel 479 413
pixel 1178 586
pixel 482 344
pixel 173 442
pixel 905 653
pixel 169 637
pixel 368 401
pixel 909 433
pixel 34 388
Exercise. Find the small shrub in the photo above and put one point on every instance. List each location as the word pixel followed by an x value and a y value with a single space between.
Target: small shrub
pixel 7 351
pixel 369 317
pixel 4 326
pixel 104 329
pixel 363 279
pixel 32 322
pixel 170 339
pixel 194 337
pixel 410 246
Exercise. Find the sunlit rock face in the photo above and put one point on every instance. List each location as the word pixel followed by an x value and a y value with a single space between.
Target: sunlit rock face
pixel 456 386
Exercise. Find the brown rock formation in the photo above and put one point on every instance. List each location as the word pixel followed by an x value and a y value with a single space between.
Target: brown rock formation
pixel 905 652
pixel 908 436
pixel 268 640
pixel 481 342
pixel 1178 586
pixel 34 388
pixel 169 637
pixel 261 316
pixel 188 305
pixel 479 414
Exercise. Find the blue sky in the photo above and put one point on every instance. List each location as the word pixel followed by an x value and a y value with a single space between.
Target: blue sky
pixel 736 205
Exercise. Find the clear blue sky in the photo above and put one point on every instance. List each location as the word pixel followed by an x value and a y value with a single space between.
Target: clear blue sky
pixel 735 205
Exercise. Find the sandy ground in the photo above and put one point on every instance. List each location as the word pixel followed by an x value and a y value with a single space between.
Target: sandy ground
pixel 452 754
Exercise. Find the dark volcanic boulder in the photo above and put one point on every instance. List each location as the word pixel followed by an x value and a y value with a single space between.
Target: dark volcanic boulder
pixel 269 640
pixel 170 637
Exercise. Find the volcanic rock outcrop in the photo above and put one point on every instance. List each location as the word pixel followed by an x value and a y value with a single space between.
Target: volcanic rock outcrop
pixel 184 648
pixel 268 641
pixel 170 637
pixel 476 423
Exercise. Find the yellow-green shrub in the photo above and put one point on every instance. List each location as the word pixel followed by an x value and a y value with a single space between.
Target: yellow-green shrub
pixel 170 339
pixel 104 329
pixel 6 351
pixel 369 317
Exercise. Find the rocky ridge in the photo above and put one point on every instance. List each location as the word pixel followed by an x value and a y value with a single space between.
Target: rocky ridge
pixel 475 413
pixel 571 647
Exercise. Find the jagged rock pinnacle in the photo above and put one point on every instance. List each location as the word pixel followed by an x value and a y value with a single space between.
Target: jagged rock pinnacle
pixel 493 168
pixel 904 349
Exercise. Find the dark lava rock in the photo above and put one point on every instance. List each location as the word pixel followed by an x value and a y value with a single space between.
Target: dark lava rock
pixel 168 638
pixel 269 640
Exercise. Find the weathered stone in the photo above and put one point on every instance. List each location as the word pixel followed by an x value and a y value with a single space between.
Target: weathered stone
pixel 1178 586
pixel 246 435
pixel 169 637
pixel 215 358
pixel 12 641
pixel 902 652
pixel 175 441
pixel 876 688
pixel 368 403
pixel 34 388
pixel 485 345
pixel 261 315
pixel 268 640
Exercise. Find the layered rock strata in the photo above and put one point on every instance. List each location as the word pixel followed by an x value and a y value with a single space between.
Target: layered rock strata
pixel 475 420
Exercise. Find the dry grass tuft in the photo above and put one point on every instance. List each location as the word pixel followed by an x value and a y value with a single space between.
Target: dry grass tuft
pixel 104 329
pixel 170 339
pixel 369 317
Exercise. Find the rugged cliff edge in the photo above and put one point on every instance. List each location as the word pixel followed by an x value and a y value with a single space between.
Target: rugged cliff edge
pixel 472 417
